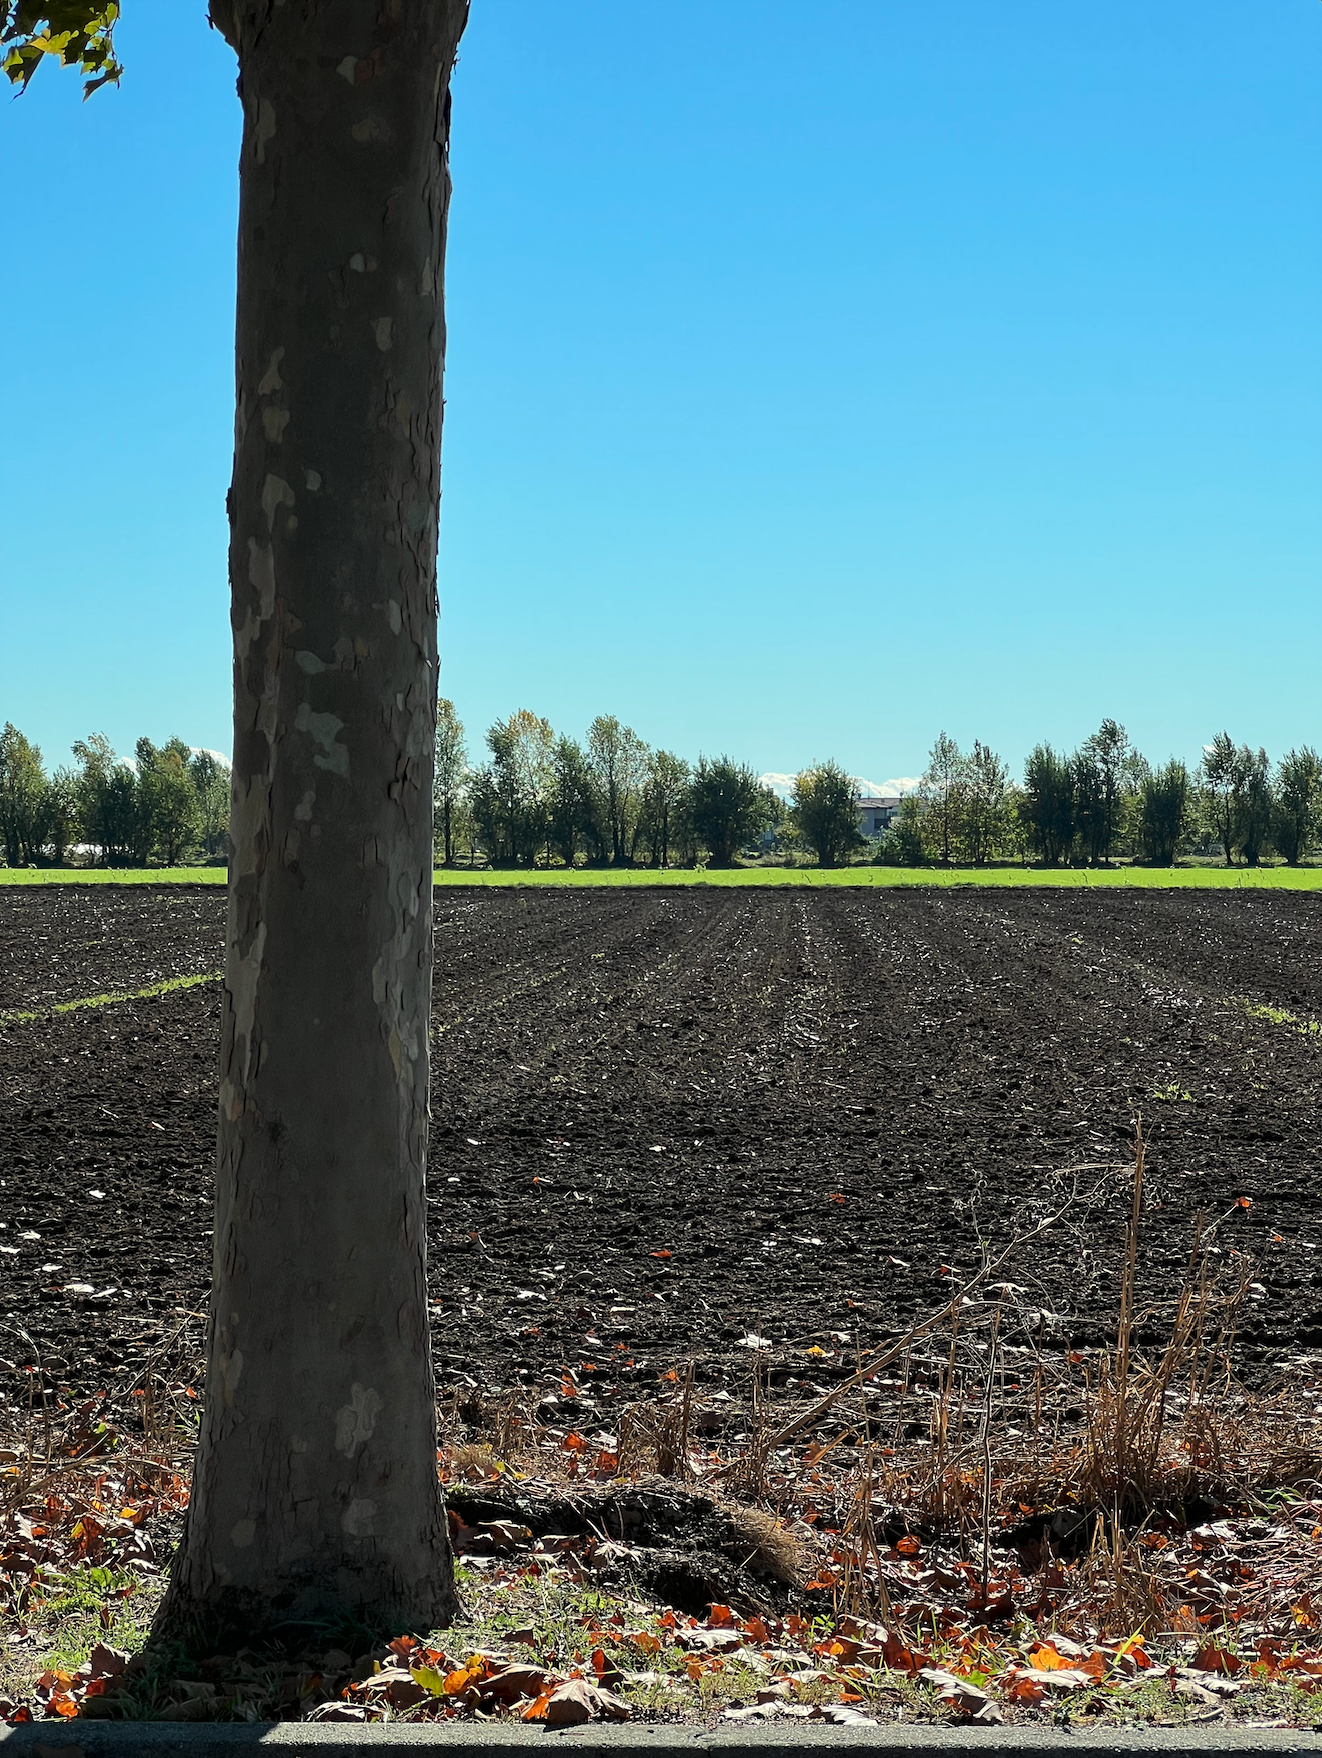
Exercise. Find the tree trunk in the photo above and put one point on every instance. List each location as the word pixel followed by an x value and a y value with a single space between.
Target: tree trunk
pixel 315 1494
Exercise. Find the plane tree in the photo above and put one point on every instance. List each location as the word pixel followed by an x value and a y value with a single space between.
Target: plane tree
pixel 315 1492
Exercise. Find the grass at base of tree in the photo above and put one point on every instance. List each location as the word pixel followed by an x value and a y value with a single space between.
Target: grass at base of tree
pixel 867 878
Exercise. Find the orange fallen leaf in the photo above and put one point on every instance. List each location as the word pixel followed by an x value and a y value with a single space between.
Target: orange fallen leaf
pixel 1025 1690
pixel 1211 1659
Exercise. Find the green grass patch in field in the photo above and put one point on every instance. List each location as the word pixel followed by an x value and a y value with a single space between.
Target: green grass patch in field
pixel 1173 1094
pixel 1281 1016
pixel 23 1015
pixel 870 878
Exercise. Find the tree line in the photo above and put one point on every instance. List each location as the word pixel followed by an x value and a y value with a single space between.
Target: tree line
pixel 542 797
pixel 1106 802
pixel 538 797
pixel 171 804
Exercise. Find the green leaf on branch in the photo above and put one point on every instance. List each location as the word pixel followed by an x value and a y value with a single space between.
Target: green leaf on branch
pixel 79 33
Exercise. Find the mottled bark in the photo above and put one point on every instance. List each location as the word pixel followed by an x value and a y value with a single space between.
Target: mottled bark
pixel 315 1491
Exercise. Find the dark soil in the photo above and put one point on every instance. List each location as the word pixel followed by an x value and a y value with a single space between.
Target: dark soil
pixel 664 1120
pixel 61 942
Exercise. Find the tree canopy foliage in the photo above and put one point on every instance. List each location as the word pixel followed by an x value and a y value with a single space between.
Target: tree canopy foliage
pixel 77 33
pixel 825 810
pixel 169 803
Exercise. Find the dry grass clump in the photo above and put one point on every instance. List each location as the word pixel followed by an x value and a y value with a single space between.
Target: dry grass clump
pixel 772 1548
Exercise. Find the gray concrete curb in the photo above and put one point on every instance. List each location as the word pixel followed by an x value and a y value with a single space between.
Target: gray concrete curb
pixel 92 1739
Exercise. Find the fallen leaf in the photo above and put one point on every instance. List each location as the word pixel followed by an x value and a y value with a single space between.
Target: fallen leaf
pixel 510 1683
pixel 962 1694
pixel 1211 1659
pixel 570 1703
pixel 840 1715
pixel 1056 1678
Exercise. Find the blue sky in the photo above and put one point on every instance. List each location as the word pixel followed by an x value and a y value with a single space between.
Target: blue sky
pixel 819 377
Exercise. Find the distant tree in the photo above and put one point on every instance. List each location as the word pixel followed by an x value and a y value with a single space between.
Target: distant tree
pixel 663 795
pixel 58 825
pixel 211 780
pixel 465 828
pixel 942 793
pixel 1253 803
pixel 1220 775
pixel 825 810
pixel 572 801
pixel 1014 832
pixel 517 802
pixel 1237 797
pixel 905 843
pixel 107 795
pixel 981 825
pixel 729 807
pixel 450 774
pixel 23 793
pixel 1088 789
pixel 1114 768
pixel 1047 804
pixel 1164 800
pixel 168 820
pixel 619 761
pixel 1128 818
pixel 489 815
pixel 686 845
pixel 1298 803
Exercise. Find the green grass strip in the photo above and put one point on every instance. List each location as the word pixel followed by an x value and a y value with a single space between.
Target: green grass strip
pixel 23 1016
pixel 874 878
pixel 860 878
pixel 112 875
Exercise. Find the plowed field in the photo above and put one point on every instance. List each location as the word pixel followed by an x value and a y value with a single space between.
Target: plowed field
pixel 668 1120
